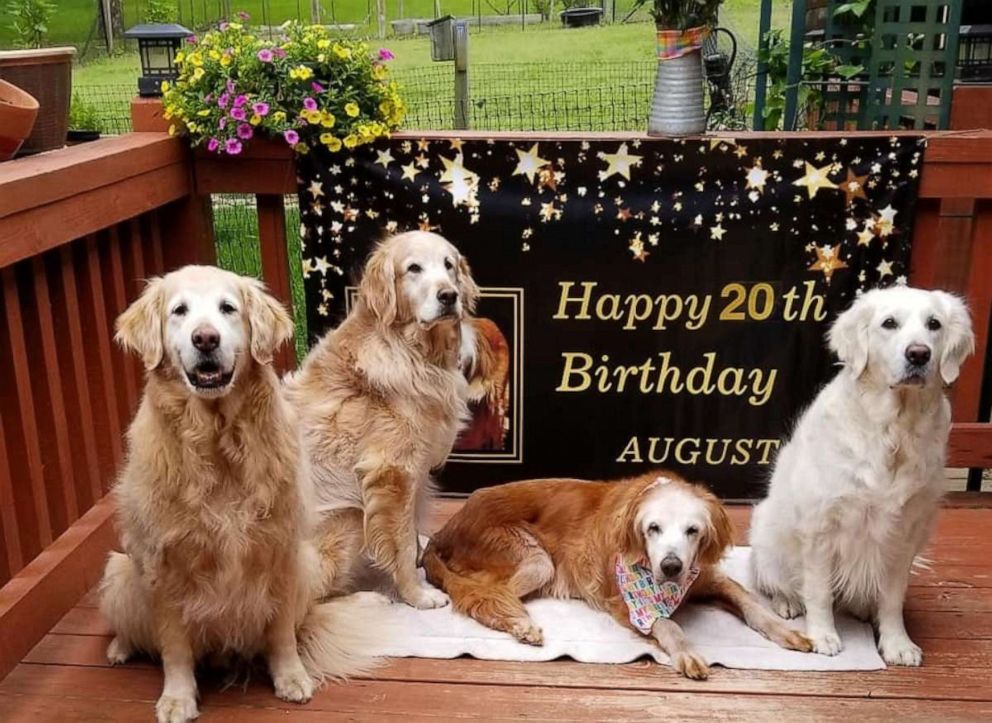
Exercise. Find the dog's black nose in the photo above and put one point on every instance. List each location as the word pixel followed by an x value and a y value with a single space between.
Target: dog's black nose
pixel 206 338
pixel 671 567
pixel 447 297
pixel 918 354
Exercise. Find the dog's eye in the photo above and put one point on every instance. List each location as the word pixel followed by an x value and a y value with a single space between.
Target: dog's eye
pixel 448 265
pixel 180 310
pixel 890 323
pixel 227 307
pixel 933 324
pixel 653 528
pixel 692 531
pixel 414 268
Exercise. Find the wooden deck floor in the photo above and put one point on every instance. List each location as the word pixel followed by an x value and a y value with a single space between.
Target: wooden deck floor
pixel 66 677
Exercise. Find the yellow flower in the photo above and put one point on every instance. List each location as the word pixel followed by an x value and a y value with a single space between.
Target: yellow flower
pixel 327 120
pixel 255 119
pixel 351 109
pixel 341 51
pixel 321 57
pixel 334 145
pixel 234 26
pixel 225 60
pixel 350 141
pixel 198 73
pixel 203 113
pixel 301 148
pixel 323 44
pixel 165 86
pixel 214 54
pixel 172 130
pixel 196 59
pixel 279 116
pixel 192 127
pixel 311 116
pixel 180 56
pixel 378 72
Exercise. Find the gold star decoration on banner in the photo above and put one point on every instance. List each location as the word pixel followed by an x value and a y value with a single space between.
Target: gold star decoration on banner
pixel 740 151
pixel 884 269
pixel 885 222
pixel 409 172
pixel 547 179
pixel 827 260
pixel 316 189
pixel 457 180
pixel 815 179
pixel 864 237
pixel 423 144
pixel 853 187
pixel 721 142
pixel 619 162
pixel 717 232
pixel 529 163
pixel 384 158
pixel 637 249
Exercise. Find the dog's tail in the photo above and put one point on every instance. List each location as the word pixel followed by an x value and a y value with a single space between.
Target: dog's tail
pixel 346 636
pixel 491 603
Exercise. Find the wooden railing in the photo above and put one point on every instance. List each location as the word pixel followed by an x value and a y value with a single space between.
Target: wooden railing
pixel 81 228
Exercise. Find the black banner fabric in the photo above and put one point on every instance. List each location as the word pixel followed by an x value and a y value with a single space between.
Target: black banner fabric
pixel 651 303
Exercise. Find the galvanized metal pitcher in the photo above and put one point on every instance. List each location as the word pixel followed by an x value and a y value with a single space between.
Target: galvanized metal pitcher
pixel 677 104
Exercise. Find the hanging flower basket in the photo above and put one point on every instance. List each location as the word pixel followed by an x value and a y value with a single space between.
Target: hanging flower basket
pixel 677 104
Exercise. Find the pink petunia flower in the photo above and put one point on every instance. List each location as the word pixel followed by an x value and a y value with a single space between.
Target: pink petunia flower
pixel 223 26
pixel 222 123
pixel 213 144
pixel 310 104
pixel 265 55
pixel 386 54
pixel 223 100
pixel 230 85
pixel 279 52
pixel 292 137
pixel 245 131
pixel 233 146
pixel 240 100
pixel 242 15
pixel 317 87
pixel 238 114
pixel 192 40
pixel 260 108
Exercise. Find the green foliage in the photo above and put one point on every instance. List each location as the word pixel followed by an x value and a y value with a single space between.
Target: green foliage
pixel 683 14
pixel 161 11
pixel 818 64
pixel 857 9
pixel 30 21
pixel 83 115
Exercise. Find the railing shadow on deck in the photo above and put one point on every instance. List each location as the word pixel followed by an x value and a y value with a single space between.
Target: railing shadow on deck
pixel 81 228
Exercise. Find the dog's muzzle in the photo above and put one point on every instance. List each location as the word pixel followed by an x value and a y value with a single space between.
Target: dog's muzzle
pixel 671 567
pixel 918 358
pixel 207 374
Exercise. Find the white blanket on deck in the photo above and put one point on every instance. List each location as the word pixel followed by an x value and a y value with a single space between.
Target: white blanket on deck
pixel 574 630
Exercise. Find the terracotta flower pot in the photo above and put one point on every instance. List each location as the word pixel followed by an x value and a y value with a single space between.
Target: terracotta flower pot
pixel 47 75
pixel 18 111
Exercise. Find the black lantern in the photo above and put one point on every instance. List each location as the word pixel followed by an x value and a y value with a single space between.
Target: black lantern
pixel 158 44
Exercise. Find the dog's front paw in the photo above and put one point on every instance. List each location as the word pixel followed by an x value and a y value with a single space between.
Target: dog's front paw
pixel 900 650
pixel 795 640
pixel 118 652
pixel 294 687
pixel 426 597
pixel 526 632
pixel 176 709
pixel 826 643
pixel 690 664
pixel 787 607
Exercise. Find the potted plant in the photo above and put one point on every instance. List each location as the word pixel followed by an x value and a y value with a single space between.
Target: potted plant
pixel 84 121
pixel 677 103
pixel 45 73
pixel 18 111
pixel 307 88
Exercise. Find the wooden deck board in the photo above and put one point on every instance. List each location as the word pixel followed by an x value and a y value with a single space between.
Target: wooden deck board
pixel 949 613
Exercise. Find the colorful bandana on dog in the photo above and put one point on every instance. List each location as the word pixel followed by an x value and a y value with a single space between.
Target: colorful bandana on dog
pixel 647 601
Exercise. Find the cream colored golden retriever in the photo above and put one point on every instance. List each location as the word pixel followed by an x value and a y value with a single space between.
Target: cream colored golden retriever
pixel 381 399
pixel 214 501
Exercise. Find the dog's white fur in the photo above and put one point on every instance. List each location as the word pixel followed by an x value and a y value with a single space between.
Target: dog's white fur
pixel 855 492
pixel 214 502
pixel 381 399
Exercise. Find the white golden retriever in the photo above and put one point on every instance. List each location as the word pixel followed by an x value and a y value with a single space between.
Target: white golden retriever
pixel 214 500
pixel 855 492
pixel 380 400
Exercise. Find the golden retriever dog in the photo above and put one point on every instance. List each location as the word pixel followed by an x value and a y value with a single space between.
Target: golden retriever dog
pixel 856 490
pixel 488 375
pixel 571 538
pixel 381 399
pixel 213 501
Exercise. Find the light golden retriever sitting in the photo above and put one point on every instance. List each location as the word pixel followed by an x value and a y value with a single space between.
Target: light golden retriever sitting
pixel 381 399
pixel 213 501
pixel 571 538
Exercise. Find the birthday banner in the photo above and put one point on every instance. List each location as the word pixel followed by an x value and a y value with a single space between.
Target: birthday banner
pixel 649 303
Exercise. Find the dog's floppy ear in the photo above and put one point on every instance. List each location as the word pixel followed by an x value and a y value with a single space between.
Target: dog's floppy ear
pixel 139 327
pixel 959 339
pixel 719 532
pixel 632 541
pixel 848 337
pixel 378 286
pixel 467 288
pixel 269 323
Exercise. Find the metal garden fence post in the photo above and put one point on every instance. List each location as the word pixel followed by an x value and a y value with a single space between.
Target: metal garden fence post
pixel 462 120
pixel 794 74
